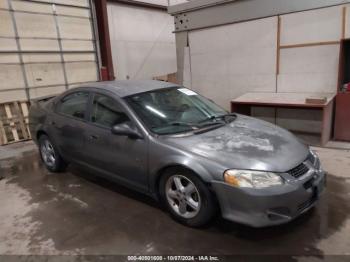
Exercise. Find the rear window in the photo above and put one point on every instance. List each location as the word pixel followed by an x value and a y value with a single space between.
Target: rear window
pixel 74 105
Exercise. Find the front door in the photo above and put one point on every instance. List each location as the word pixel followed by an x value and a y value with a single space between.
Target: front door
pixel 121 157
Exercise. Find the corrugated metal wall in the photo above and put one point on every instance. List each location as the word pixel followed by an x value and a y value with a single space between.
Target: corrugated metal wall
pixel 45 47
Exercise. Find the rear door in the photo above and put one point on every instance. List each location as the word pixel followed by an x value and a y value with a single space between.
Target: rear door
pixel 69 124
pixel 123 158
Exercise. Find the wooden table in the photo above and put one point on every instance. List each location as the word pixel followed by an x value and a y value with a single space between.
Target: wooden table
pixel 244 103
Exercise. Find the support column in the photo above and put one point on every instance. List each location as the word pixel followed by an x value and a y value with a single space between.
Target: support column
pixel 107 71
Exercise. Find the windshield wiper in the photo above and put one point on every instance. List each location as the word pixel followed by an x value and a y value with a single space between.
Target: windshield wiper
pixel 220 117
pixel 206 124
pixel 191 125
pixel 196 127
pixel 209 126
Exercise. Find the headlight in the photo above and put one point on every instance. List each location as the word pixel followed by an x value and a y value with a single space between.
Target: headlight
pixel 313 153
pixel 315 160
pixel 252 179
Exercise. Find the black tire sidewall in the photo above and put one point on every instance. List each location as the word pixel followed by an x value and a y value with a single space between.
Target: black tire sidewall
pixel 59 164
pixel 208 206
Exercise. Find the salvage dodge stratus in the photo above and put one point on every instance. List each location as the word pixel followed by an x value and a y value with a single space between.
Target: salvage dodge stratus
pixel 171 143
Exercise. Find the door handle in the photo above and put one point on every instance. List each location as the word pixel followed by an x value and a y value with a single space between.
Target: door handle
pixel 93 137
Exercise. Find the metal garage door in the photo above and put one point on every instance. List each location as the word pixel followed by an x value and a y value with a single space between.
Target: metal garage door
pixel 45 47
pixel 143 45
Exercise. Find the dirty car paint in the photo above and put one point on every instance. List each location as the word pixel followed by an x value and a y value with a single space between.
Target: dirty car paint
pixel 247 143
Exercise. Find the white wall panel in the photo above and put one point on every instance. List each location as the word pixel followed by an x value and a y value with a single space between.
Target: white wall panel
pixel 34 25
pixel 6 26
pixel 3 4
pixel 64 10
pixel 83 3
pixel 78 57
pixel 31 7
pixel 319 25
pixel 309 69
pixel 260 33
pixel 156 2
pixel 8 44
pixel 34 58
pixel 45 91
pixel 9 58
pixel 75 45
pixel 187 77
pixel 11 77
pixel 9 95
pixel 219 90
pixel 81 72
pixel 164 2
pixel 347 27
pixel 72 27
pixel 44 74
pixel 143 45
pixel 39 45
pixel 231 60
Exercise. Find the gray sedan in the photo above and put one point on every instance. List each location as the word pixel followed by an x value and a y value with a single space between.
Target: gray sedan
pixel 175 145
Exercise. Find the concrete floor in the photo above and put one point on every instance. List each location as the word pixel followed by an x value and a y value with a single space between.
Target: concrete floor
pixel 77 213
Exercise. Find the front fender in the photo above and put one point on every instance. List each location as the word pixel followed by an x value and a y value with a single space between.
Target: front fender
pixel 177 161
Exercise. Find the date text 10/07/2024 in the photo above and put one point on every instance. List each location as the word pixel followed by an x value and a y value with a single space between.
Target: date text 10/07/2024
pixel 173 258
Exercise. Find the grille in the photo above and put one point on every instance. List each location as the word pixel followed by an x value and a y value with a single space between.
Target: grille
pixel 310 202
pixel 298 171
pixel 306 204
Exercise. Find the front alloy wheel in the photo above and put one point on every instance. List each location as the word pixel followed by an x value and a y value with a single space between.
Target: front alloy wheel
pixel 187 197
pixel 48 153
pixel 183 196
pixel 50 156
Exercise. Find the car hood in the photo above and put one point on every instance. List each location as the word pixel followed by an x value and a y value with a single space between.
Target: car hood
pixel 246 143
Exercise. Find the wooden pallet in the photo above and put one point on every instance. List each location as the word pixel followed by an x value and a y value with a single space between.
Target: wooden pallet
pixel 14 122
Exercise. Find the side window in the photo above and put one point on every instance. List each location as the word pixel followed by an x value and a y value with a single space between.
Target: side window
pixel 74 105
pixel 106 112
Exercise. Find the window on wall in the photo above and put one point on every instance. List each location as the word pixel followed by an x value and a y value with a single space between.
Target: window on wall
pixel 74 105
pixel 106 111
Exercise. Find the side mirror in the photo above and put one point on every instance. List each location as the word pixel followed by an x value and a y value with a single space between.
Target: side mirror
pixel 126 130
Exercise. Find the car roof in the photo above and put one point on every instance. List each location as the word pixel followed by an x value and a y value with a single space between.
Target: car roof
pixel 125 88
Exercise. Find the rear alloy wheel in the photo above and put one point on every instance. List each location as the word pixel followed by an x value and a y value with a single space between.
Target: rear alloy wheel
pixel 187 198
pixel 50 155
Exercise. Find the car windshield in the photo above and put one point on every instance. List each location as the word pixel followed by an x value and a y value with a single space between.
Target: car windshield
pixel 177 110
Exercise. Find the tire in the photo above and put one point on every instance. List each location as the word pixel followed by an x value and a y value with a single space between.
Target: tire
pixel 50 155
pixel 200 205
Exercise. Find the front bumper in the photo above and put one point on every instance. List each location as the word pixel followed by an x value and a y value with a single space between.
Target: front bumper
pixel 270 206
